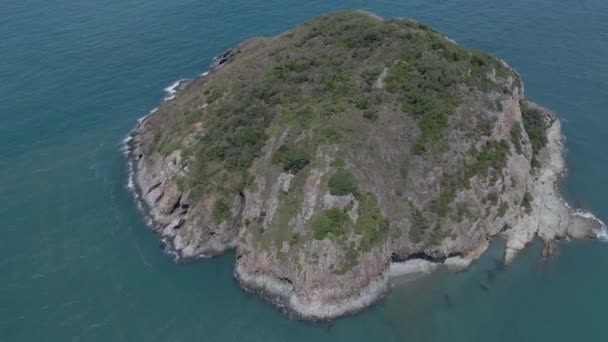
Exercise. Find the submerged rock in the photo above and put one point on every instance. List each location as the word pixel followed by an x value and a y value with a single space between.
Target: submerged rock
pixel 327 152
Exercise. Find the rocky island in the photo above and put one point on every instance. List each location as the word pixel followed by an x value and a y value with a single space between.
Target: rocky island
pixel 347 149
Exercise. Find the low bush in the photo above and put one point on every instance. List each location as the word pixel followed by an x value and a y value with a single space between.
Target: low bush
pixel 331 222
pixel 527 202
pixel 342 183
pixel 534 124
pixel 516 137
pixel 292 159
pixel 221 210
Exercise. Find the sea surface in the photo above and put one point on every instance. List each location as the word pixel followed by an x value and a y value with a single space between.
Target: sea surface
pixel 77 262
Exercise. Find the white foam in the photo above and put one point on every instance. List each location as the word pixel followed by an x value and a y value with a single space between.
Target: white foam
pixel 125 144
pixel 140 120
pixel 205 73
pixel 172 89
pixel 585 214
pixel 450 40
pixel 602 234
pixel 127 139
pixel 602 231
pixel 130 184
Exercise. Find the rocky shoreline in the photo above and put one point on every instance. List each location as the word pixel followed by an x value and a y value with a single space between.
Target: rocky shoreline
pixel 316 290
pixel 157 218
pixel 551 219
pixel 282 294
pixel 564 223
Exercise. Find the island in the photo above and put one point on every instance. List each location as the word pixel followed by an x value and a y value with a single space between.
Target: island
pixel 347 149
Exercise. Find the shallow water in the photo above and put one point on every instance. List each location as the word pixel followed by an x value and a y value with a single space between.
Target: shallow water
pixel 78 263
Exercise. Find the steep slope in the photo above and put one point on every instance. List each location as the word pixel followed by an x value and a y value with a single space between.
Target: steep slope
pixel 346 143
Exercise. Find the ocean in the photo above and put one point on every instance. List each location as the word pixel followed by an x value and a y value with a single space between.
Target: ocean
pixel 77 262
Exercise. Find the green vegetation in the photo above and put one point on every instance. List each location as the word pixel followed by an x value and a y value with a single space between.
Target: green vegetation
pixel 502 210
pixel 493 156
pixel 491 198
pixel 516 137
pixel 292 159
pixel 371 224
pixel 311 91
pixel 295 239
pixel 342 183
pixel 221 210
pixel 419 225
pixel 534 124
pixel 527 202
pixel 489 161
pixel 427 79
pixel 312 79
pixel 371 75
pixel 438 234
pixel 462 211
pixel 332 222
pixel 370 229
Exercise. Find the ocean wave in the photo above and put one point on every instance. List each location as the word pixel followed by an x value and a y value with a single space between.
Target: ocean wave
pixel 125 144
pixel 130 184
pixel 602 232
pixel 140 120
pixel 450 40
pixel 172 89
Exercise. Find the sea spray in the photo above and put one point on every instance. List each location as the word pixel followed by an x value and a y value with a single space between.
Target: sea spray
pixel 172 89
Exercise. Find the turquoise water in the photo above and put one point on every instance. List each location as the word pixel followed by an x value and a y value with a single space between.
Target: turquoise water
pixel 77 262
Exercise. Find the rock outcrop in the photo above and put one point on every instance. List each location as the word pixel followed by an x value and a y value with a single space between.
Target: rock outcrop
pixel 347 150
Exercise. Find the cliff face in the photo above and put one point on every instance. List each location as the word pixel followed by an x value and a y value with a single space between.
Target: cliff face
pixel 345 144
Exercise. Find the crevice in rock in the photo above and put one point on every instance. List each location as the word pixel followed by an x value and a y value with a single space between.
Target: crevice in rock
pixel 239 216
pixel 154 186
pixel 159 197
pixel 175 205
pixel 221 59
pixel 424 256
pixel 287 280
pixel 185 207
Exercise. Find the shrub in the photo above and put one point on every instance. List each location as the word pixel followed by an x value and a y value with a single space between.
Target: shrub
pixel 221 211
pixel 342 183
pixel 295 239
pixel 371 224
pixel 534 124
pixel 502 210
pixel 516 137
pixel 331 222
pixel 370 115
pixel 492 157
pixel 419 225
pixel 462 211
pixel 371 75
pixel 438 235
pixel 292 159
pixel 491 198
pixel 527 202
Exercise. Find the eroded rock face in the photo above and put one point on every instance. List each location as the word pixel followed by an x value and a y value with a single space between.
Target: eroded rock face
pixel 330 153
pixel 549 217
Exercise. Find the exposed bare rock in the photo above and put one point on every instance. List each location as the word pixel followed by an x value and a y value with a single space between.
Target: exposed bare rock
pixel 348 150
pixel 549 218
